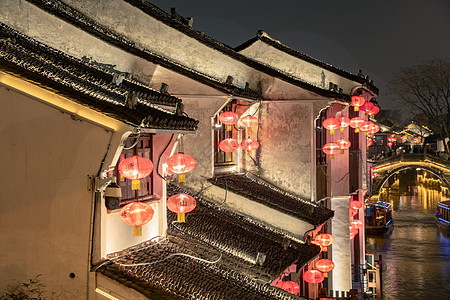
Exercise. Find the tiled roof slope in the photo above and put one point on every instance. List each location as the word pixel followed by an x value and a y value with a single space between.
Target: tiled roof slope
pixel 263 36
pixel 67 13
pixel 242 238
pixel 149 269
pixel 87 85
pixel 213 234
pixel 70 15
pixel 263 192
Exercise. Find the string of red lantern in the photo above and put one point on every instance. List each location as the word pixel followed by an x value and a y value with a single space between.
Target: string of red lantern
pixel 356 122
pixel 135 168
pixel 357 101
pixel 228 118
pixel 249 145
pixel 181 164
pixel 313 276
pixel 331 149
pixel 324 265
pixel 343 144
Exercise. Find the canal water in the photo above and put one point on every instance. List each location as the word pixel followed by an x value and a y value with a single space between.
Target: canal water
pixel 416 256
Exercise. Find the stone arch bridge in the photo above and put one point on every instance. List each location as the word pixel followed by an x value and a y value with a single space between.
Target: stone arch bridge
pixel 389 166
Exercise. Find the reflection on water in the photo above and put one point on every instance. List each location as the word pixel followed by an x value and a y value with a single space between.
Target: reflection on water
pixel 416 256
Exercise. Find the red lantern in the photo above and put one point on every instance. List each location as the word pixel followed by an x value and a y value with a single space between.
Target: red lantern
pixel 374 111
pixel 180 164
pixel 249 145
pixel 369 142
pixel 324 265
pixel 324 239
pixel 356 224
pixel 366 126
pixel 228 118
pixel 357 101
pixel 313 276
pixel 331 124
pixel 228 145
pixel 136 214
pixel 181 204
pixel 344 122
pixel 135 168
pixel 366 107
pixel 343 144
pixel 249 121
pixel 289 286
pixel 355 204
pixel 331 149
pixel 389 144
pixel 375 128
pixel 353 232
pixel 356 122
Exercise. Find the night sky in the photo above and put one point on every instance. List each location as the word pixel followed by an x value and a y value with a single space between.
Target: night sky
pixel 378 37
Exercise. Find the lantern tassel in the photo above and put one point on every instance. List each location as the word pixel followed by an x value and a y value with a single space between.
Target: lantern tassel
pixel 249 152
pixel 136 184
pixel 332 132
pixel 229 128
pixel 356 108
pixel 181 218
pixel 227 155
pixel 137 231
pixel 342 129
pixel 181 178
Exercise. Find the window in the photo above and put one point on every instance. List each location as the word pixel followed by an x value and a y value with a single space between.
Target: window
pixel 142 148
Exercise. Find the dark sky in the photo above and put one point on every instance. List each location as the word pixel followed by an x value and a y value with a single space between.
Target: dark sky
pixel 378 36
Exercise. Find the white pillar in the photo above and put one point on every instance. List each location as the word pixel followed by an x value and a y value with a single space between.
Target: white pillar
pixel 340 254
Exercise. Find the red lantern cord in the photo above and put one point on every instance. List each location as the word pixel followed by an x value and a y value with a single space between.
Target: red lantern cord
pixel 135 168
pixel 249 145
pixel 228 118
pixel 331 149
pixel 343 144
pixel 289 286
pixel 324 265
pixel 313 276
pixel 357 101
pixel 180 164
pixel 344 122
pixel 356 122
pixel 331 124
pixel 136 214
pixel 181 204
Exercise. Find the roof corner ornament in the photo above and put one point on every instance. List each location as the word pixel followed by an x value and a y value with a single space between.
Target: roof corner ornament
pixel 131 100
pixel 118 78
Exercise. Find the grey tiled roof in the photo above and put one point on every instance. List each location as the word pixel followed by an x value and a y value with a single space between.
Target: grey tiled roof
pixel 261 35
pixel 263 192
pixel 90 86
pixel 210 232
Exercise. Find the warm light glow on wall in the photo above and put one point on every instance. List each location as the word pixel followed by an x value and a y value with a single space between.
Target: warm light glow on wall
pixel 58 102
pixel 105 294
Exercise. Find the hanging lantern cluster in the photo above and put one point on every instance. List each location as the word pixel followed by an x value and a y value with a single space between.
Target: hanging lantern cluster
pixel 355 224
pixel 416 140
pixel 229 144
pixel 136 213
pixel 403 138
pixel 181 203
pixel 322 266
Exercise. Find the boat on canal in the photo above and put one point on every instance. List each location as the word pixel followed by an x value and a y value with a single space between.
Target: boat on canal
pixel 443 217
pixel 378 218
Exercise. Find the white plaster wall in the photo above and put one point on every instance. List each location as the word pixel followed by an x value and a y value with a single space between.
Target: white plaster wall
pixel 308 72
pixel 286 145
pixel 45 217
pixel 48 29
pixel 257 211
